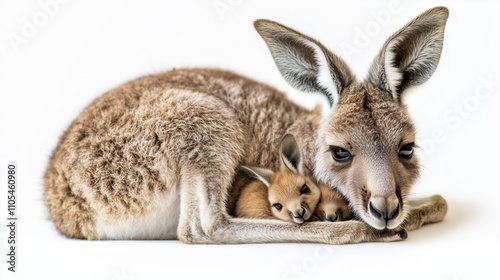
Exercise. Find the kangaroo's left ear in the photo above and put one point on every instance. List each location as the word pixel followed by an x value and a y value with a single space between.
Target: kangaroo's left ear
pixel 304 62
pixel 410 56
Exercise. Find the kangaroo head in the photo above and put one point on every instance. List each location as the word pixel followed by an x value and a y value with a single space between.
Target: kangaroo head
pixel 292 196
pixel 332 206
pixel 364 146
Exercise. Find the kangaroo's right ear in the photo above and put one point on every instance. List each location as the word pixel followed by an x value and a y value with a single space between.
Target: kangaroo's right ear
pixel 290 154
pixel 303 62
pixel 410 56
pixel 261 174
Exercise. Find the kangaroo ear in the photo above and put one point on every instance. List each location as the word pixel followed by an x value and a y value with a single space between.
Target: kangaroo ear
pixel 410 56
pixel 303 62
pixel 261 174
pixel 290 154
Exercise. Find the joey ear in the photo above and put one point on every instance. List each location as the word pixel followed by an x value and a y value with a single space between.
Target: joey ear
pixel 290 154
pixel 303 62
pixel 261 174
pixel 410 56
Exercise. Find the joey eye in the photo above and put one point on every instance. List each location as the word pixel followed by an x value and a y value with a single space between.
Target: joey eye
pixel 305 189
pixel 340 154
pixel 406 151
pixel 278 206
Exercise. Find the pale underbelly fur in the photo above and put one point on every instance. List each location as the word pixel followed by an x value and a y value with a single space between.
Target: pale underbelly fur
pixel 160 223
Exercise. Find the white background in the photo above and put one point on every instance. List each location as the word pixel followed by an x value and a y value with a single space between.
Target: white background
pixel 85 48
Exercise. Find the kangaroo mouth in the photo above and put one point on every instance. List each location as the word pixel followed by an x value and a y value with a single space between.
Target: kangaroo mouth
pixel 381 218
pixel 298 219
pixel 301 219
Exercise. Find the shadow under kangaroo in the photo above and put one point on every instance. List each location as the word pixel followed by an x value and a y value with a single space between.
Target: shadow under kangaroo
pixel 155 158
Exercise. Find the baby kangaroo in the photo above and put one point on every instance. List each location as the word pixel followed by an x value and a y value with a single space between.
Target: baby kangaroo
pixel 288 194
pixel 333 206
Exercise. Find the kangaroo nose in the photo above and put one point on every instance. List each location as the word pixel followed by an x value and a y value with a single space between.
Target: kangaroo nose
pixel 299 213
pixel 331 217
pixel 384 215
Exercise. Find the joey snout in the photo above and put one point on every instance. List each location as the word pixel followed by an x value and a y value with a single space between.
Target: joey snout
pixel 298 215
pixel 299 212
pixel 331 217
pixel 327 212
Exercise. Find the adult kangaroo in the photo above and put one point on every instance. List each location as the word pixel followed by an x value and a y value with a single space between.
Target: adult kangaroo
pixel 156 157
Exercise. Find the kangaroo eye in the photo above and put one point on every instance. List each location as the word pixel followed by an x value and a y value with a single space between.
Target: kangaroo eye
pixel 340 154
pixel 406 151
pixel 278 206
pixel 305 189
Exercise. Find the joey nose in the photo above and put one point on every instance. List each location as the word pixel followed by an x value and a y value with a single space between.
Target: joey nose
pixel 299 213
pixel 331 217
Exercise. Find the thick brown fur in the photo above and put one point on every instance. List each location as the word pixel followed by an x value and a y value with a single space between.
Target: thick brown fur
pixel 253 202
pixel 115 152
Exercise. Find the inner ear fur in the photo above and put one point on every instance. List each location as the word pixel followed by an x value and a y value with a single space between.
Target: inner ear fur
pixel 290 154
pixel 410 56
pixel 304 62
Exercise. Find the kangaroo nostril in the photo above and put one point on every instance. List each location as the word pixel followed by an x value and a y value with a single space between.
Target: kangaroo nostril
pixel 394 213
pixel 383 215
pixel 303 212
pixel 375 212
